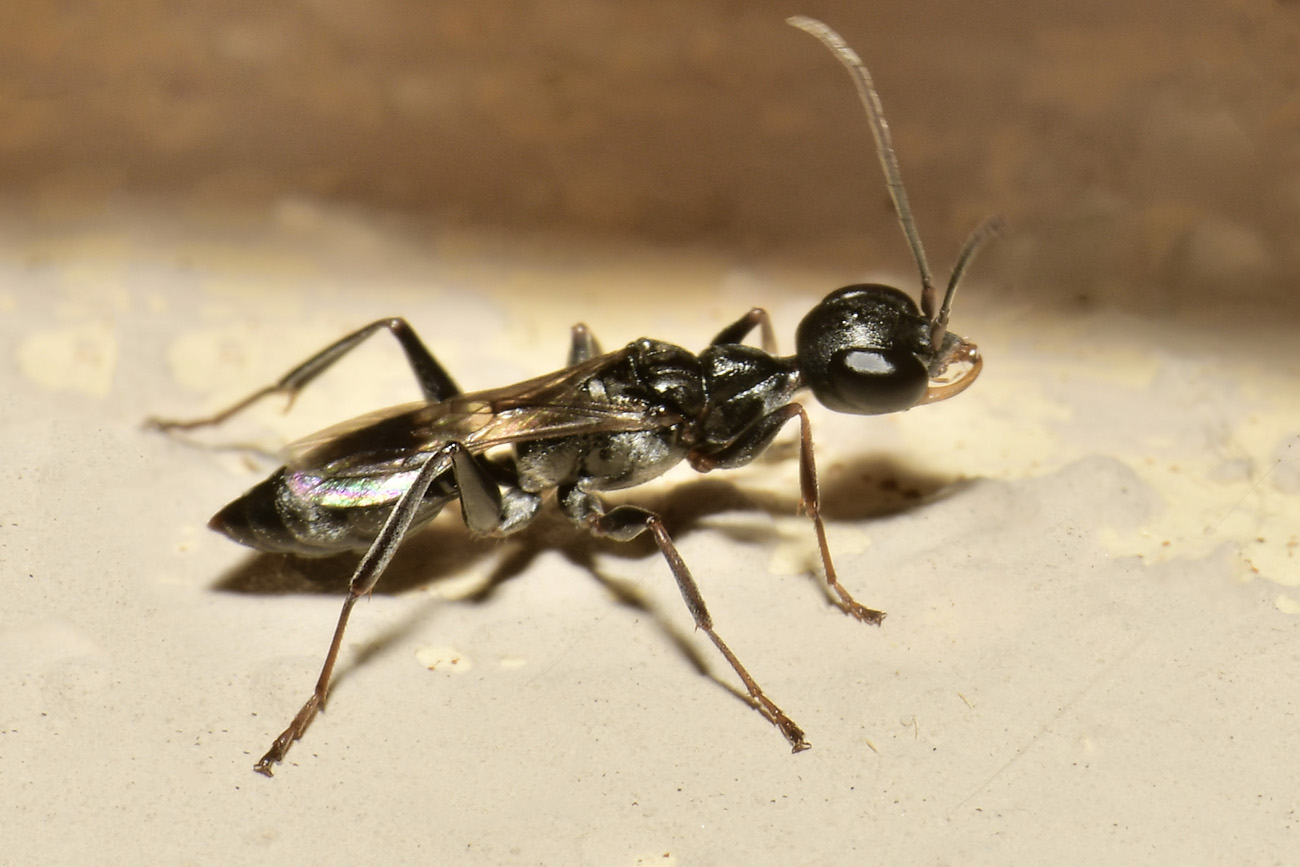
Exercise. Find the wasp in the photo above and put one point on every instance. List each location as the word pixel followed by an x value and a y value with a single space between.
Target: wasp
pixel 606 421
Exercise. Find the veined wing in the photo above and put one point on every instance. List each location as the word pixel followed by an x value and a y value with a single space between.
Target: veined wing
pixel 400 438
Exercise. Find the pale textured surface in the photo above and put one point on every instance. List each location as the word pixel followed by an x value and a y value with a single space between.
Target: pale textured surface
pixel 1089 559
pixel 1091 644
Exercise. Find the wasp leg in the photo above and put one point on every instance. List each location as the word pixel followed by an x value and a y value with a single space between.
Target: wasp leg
pixel 490 506
pixel 737 331
pixel 627 522
pixel 752 441
pixel 480 497
pixel 582 345
pixel 434 381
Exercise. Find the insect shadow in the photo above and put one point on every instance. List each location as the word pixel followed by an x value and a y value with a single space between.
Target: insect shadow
pixel 864 488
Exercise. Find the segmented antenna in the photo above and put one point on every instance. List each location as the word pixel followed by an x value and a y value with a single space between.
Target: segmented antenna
pixel 889 162
pixel 990 228
pixel 884 145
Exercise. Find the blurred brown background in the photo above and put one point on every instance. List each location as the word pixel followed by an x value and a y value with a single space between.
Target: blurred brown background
pixel 1144 154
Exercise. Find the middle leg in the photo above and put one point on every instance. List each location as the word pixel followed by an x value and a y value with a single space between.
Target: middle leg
pixel 582 344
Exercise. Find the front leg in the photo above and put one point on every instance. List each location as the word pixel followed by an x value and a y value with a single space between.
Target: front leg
pixel 751 442
pixel 625 523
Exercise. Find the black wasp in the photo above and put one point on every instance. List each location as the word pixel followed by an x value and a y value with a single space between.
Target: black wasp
pixel 606 421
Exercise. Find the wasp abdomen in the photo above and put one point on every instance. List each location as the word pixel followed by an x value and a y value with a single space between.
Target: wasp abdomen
pixel 295 512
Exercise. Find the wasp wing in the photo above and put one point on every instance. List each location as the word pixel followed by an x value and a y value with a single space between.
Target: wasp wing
pixel 401 438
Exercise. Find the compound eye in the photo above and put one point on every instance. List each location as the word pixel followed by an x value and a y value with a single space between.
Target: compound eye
pixel 876 381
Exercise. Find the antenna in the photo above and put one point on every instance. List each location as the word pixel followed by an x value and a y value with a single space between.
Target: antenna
pixel 990 228
pixel 884 145
pixel 889 162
